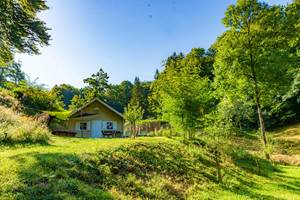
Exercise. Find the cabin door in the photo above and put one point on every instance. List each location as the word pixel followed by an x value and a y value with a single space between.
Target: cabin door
pixel 96 129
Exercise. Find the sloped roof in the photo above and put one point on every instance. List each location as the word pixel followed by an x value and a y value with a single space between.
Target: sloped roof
pixel 94 100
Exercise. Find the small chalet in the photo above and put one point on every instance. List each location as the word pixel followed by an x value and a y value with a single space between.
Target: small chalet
pixel 96 119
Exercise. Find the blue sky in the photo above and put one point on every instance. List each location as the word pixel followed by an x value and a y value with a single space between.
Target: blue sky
pixel 127 38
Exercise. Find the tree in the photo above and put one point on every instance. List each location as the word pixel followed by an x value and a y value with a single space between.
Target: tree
pixel 35 98
pixel 287 107
pixel 137 92
pixel 76 102
pixel 21 30
pixel 65 93
pixel 183 90
pixel 133 114
pixel 139 95
pixel 118 95
pixel 251 56
pixel 97 83
pixel 12 73
pixel 153 98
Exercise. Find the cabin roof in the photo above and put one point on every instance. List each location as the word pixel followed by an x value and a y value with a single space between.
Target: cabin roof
pixel 92 101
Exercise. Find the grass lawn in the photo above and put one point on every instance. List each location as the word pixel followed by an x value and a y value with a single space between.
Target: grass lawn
pixel 145 168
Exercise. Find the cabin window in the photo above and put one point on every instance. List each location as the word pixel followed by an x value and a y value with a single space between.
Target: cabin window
pixel 83 126
pixel 109 125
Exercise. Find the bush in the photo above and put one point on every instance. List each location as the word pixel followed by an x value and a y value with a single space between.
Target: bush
pixel 8 100
pixel 16 128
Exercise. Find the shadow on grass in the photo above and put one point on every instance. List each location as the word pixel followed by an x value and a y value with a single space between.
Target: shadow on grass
pixel 10 144
pixel 288 182
pixel 159 171
pixel 247 134
pixel 139 170
pixel 59 176
pixel 252 164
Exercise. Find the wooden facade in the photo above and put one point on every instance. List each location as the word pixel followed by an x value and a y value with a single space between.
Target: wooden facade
pixel 96 119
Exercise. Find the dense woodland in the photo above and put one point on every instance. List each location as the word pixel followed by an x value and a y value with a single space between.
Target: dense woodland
pixel 248 79
pixel 220 105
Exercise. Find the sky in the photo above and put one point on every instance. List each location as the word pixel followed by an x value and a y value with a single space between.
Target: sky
pixel 126 38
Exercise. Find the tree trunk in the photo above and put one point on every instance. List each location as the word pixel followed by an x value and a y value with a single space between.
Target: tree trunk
pixel 1 75
pixel 131 130
pixel 134 130
pixel 257 100
pixel 260 116
pixel 218 165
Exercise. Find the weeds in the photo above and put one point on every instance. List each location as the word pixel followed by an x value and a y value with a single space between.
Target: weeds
pixel 16 128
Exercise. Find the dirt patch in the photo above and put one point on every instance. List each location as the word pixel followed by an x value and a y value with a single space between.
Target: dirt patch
pixel 286 159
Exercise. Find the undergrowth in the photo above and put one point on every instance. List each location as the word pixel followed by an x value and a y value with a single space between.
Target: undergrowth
pixel 18 128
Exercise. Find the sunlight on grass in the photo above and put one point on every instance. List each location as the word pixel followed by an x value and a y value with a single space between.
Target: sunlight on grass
pixel 153 167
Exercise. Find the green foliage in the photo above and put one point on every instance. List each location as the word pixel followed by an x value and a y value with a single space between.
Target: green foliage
pixel 57 120
pixel 184 90
pixel 35 99
pixel 97 83
pixel 119 95
pixel 65 93
pixel 76 102
pixel 133 114
pixel 153 168
pixel 15 128
pixel 253 59
pixel 7 99
pixel 64 115
pixel 12 73
pixel 21 30
pixel 139 95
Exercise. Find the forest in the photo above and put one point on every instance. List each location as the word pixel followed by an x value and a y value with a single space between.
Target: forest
pixel 247 84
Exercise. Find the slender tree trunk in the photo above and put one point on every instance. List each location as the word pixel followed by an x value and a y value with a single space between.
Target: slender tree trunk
pixel 1 75
pixel 217 156
pixel 131 130
pixel 257 98
pixel 134 130
pixel 259 112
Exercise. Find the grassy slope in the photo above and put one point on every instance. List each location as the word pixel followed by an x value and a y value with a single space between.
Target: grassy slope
pixel 157 168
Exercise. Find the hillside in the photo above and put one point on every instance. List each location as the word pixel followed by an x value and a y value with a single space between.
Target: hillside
pixel 153 168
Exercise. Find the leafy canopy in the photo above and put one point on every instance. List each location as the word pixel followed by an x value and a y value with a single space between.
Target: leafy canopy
pixel 20 28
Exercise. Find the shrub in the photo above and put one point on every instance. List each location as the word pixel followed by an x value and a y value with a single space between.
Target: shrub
pixel 8 100
pixel 16 128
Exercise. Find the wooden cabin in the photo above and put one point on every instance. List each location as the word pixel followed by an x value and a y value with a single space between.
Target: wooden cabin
pixel 95 119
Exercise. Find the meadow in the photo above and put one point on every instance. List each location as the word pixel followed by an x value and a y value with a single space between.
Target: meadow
pixel 149 168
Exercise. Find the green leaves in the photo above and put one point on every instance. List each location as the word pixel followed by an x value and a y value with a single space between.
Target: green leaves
pixel 253 57
pixel 20 28
pixel 183 89
pixel 133 113
pixel 98 82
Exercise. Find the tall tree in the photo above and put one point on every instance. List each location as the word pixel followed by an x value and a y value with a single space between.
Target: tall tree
pixel 184 91
pixel 287 106
pixel 137 92
pixel 97 83
pixel 139 95
pixel 251 58
pixel 20 28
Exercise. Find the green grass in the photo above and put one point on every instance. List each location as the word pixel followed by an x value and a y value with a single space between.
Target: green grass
pixel 62 115
pixel 144 168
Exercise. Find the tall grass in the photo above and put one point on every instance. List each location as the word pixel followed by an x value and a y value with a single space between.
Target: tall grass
pixel 8 100
pixel 18 128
